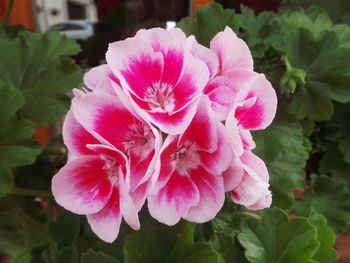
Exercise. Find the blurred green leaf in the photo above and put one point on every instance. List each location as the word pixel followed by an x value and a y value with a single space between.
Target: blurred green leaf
pixel 275 238
pixel 97 257
pixel 329 197
pixel 282 147
pixel 208 21
pixel 71 225
pixel 38 65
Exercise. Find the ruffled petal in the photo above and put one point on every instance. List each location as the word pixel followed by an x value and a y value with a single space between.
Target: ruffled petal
pixel 212 196
pixel 106 223
pixel 204 54
pixel 174 199
pixel 232 51
pixel 233 175
pixel 82 186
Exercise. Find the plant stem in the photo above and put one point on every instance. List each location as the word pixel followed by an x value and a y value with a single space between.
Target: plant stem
pixel 30 192
pixel 8 12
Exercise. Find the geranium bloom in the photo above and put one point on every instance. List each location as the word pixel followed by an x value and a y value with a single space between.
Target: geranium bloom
pixel 163 80
pixel 188 181
pixel 112 158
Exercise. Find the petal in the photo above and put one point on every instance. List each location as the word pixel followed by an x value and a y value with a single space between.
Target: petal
pixel 255 164
pixel 171 43
pixel 139 195
pixel 165 164
pixel 233 175
pixel 247 139
pixel 127 206
pixel 222 99
pixel 193 80
pixel 202 130
pixel 75 137
pixel 135 64
pixel 106 223
pixel 204 54
pixel 232 128
pixel 174 199
pixel 232 51
pixel 212 196
pixel 82 186
pixel 264 202
pixel 105 117
pixel 219 161
pixel 95 75
pixel 259 112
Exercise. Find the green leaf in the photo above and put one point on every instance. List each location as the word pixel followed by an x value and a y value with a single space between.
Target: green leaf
pixel 282 147
pixel 208 21
pixel 97 257
pixel 140 246
pixel 275 238
pixel 38 65
pixel 17 147
pixel 327 67
pixel 329 197
pixel 255 29
pixel 186 251
pixel 6 183
pixel 325 253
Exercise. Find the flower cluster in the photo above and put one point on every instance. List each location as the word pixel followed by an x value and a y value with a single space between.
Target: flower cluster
pixel 166 120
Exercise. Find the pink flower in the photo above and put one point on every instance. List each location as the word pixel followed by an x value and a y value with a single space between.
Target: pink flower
pixel 163 80
pixel 112 156
pixel 188 178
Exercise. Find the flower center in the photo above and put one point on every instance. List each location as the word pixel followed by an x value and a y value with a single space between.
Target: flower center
pixel 160 97
pixel 187 158
pixel 138 140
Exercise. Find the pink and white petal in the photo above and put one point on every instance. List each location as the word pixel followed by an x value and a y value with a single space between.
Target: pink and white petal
pixel 175 123
pixel 232 128
pixel 204 54
pixel 203 128
pixel 139 169
pixel 82 186
pixel 219 161
pixel 232 51
pixel 135 64
pixel 239 79
pixel 174 200
pixel 76 138
pixel 165 164
pixel 233 175
pixel 212 196
pixel 139 195
pixel 247 139
pixel 193 80
pixel 222 99
pixel 106 223
pixel 127 206
pixel 262 112
pixel 257 165
pixel 105 117
pixel 95 75
pixel 171 43
pixel 262 203
pixel 249 191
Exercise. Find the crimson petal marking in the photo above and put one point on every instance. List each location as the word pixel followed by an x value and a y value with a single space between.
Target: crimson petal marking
pixel 105 117
pixel 135 64
pixel 202 130
pixel 174 199
pixel 106 223
pixel 219 161
pixel 194 78
pixel 171 43
pixel 76 138
pixel 82 186
pixel 212 196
